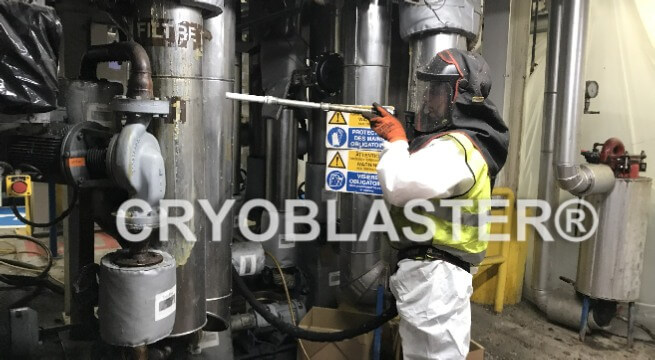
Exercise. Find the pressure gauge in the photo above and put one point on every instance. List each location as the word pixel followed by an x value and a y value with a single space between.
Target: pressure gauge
pixel 591 90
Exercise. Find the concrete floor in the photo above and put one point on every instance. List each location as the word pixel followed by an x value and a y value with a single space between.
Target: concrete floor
pixel 522 332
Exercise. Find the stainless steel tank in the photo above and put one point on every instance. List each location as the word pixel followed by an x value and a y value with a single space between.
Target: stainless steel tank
pixel 219 128
pixel 173 36
pixel 610 262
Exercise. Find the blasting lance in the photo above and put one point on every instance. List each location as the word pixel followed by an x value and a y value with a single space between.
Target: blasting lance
pixel 272 100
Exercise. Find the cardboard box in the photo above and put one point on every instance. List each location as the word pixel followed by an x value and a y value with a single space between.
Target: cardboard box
pixel 476 351
pixel 331 320
pixel 358 348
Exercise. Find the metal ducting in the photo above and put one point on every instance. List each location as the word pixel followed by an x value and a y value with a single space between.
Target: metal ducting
pixel 219 127
pixel 433 28
pixel 563 107
pixel 366 49
pixel 578 179
pixel 172 36
pixel 453 16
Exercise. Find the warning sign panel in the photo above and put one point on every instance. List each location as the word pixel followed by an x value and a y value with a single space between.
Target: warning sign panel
pixel 337 162
pixel 352 171
pixel 337 119
pixel 350 131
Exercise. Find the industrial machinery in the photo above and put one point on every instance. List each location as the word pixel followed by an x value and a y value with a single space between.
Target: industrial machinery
pixel 129 105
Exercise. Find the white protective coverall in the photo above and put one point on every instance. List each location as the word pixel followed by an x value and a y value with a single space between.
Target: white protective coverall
pixel 432 297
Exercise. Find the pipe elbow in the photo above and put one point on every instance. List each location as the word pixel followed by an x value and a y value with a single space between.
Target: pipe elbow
pixel 140 82
pixel 585 179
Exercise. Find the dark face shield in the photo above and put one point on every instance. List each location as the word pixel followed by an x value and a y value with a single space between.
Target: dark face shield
pixel 434 113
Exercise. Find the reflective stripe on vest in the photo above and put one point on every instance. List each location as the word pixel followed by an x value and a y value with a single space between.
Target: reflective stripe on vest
pixel 468 247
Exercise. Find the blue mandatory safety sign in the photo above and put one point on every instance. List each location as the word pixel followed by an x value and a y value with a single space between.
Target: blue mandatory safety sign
pixel 337 137
pixel 364 138
pixel 363 183
pixel 7 218
pixel 336 180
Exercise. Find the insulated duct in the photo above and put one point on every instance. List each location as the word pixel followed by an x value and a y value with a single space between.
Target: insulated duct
pixel 281 54
pixel 172 35
pixel 219 127
pixel 366 43
pixel 460 17
pixel 431 28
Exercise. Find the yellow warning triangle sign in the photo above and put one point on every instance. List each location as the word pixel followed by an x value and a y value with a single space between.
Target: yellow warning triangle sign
pixel 337 162
pixel 337 119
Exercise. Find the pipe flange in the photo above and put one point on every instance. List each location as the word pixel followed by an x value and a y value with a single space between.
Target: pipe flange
pixel 154 106
pixel 137 220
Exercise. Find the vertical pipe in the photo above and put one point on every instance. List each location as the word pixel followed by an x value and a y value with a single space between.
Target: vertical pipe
pixel 282 168
pixel 366 48
pixel 173 37
pixel 548 189
pixel 316 258
pixel 219 127
pixel 322 40
pixel 570 175
pixel 281 159
pixel 52 214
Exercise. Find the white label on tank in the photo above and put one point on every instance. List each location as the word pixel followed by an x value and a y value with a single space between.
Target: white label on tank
pixel 247 265
pixel 209 340
pixel 165 304
pixel 334 278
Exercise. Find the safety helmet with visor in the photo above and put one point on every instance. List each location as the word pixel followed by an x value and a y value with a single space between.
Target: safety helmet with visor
pixel 436 89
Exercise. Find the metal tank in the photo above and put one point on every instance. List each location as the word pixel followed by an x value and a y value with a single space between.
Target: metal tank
pixel 219 129
pixel 610 262
pixel 366 50
pixel 172 34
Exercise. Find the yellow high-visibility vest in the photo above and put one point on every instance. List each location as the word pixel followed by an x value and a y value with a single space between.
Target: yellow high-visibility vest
pixel 468 247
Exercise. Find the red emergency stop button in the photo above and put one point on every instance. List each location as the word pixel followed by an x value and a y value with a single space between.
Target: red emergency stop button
pixel 19 187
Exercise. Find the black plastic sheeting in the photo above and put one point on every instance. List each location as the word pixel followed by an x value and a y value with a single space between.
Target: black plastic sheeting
pixel 29 47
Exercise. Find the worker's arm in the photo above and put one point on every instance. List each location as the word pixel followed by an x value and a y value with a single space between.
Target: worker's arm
pixel 439 170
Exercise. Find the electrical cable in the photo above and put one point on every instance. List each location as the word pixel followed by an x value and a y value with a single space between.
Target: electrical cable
pixel 304 334
pixel 286 292
pixel 55 221
pixel 21 280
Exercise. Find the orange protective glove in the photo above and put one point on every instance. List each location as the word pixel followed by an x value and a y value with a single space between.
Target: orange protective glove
pixel 385 124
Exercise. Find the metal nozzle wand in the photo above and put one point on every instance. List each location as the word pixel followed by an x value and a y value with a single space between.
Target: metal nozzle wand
pixel 271 100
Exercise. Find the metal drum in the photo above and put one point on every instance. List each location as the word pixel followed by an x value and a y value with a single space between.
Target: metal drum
pixel 611 260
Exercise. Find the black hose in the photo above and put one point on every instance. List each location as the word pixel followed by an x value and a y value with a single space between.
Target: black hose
pixel 21 280
pixel 55 221
pixel 301 333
